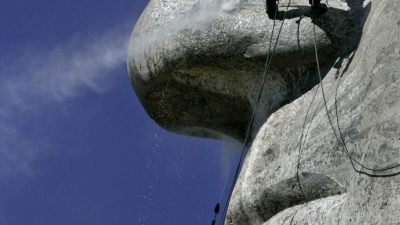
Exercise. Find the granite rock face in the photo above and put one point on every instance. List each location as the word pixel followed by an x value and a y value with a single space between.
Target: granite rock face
pixel 359 50
pixel 368 108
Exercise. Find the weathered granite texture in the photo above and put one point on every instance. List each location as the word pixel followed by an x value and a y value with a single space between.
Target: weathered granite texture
pixel 216 95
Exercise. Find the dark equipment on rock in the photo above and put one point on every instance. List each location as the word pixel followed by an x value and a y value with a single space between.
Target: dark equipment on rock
pixel 317 8
pixel 216 211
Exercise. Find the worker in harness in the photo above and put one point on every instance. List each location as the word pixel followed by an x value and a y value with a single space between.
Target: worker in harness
pixel 317 8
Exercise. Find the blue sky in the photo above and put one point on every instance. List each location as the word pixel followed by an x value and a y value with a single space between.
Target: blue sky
pixel 76 147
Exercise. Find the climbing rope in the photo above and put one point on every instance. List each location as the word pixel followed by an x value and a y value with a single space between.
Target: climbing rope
pixel 301 144
pixel 340 137
pixel 379 170
pixel 248 130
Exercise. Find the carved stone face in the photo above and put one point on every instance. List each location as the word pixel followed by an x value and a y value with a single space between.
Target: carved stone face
pixel 198 67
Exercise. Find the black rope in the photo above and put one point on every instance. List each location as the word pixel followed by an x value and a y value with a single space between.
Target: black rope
pixel 341 139
pixel 298 31
pixel 354 160
pixel 301 144
pixel 265 72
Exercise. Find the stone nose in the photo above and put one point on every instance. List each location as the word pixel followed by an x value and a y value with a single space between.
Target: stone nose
pixel 197 69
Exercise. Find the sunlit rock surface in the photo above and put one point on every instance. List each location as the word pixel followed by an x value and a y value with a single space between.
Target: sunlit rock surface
pixel 202 79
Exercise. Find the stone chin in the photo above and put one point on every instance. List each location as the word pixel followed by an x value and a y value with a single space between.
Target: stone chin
pixel 197 66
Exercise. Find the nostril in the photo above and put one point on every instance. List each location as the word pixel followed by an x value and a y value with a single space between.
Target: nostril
pixel 287 193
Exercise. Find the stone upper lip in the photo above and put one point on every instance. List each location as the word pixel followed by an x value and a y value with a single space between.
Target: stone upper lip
pixel 197 68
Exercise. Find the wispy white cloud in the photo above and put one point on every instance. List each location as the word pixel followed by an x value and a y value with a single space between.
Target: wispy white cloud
pixel 61 72
pixel 38 77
